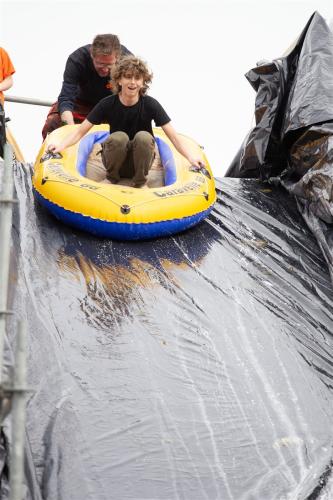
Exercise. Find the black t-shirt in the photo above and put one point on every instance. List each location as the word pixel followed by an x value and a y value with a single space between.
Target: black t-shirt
pixel 129 119
pixel 81 80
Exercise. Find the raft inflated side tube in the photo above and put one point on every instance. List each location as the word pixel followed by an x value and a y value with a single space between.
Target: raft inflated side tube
pixel 117 211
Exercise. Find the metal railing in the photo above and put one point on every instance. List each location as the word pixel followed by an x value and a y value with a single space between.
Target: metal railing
pixel 12 392
pixel 27 100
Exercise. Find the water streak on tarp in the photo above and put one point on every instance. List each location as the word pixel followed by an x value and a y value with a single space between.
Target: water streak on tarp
pixel 192 367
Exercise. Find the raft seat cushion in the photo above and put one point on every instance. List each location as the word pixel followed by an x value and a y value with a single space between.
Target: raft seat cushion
pixel 85 148
pixel 87 144
pixel 168 162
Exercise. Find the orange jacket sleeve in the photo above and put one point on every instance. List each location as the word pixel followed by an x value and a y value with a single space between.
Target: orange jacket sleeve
pixel 6 68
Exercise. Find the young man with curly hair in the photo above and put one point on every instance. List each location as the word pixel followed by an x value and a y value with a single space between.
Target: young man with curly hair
pixel 129 150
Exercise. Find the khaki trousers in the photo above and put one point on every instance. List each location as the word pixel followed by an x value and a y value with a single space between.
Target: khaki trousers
pixel 124 158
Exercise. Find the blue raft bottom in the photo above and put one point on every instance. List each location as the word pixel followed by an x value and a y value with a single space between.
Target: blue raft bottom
pixel 119 230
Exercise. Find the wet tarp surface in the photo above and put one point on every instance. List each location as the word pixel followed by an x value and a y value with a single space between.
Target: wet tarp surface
pixel 192 367
pixel 292 141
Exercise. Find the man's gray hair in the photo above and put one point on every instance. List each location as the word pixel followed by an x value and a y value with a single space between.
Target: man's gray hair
pixel 105 44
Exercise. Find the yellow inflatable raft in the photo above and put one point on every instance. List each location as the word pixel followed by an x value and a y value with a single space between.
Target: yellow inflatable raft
pixel 117 211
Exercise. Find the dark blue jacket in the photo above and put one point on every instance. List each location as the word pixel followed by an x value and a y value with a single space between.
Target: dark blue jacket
pixel 82 82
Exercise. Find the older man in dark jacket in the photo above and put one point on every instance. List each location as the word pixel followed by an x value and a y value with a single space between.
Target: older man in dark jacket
pixel 86 81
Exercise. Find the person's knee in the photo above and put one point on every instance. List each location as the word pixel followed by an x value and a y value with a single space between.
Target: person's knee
pixel 144 138
pixel 116 140
pixel 114 148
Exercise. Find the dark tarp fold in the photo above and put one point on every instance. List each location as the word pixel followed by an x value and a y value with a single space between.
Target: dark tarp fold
pixel 292 141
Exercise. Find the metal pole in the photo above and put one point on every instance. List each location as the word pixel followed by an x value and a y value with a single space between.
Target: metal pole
pixel 6 202
pixel 14 392
pixel 28 100
pixel 18 416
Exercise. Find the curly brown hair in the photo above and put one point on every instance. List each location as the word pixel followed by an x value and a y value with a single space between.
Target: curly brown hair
pixel 129 66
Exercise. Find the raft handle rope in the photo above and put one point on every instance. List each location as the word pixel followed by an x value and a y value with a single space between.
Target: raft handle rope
pixel 49 155
pixel 46 179
pixel 202 170
pixel 127 210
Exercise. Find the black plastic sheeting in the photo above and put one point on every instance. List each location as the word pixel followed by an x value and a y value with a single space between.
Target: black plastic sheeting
pixel 192 367
pixel 292 142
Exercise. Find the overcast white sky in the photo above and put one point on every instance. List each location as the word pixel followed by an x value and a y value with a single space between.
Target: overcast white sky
pixel 198 51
